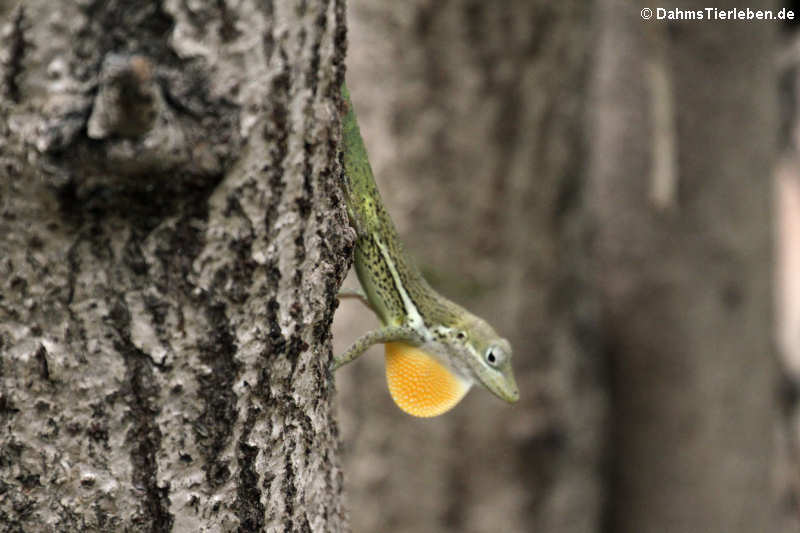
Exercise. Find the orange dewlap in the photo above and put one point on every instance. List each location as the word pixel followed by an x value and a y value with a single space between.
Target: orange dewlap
pixel 419 384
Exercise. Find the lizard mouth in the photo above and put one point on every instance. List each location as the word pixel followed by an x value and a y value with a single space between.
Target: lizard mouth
pixel 504 387
pixel 510 392
pixel 512 395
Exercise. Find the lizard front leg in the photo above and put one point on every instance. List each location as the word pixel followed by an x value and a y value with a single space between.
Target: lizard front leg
pixel 377 336
pixel 357 294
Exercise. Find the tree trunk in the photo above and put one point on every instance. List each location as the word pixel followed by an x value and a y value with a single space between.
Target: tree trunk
pixel 473 114
pixel 684 135
pixel 171 242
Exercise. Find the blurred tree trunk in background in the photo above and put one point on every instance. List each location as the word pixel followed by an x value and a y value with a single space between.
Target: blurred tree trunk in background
pixel 684 139
pixel 474 115
pixel 787 278
pixel 171 244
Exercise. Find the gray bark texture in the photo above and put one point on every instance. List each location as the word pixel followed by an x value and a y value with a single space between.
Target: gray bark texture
pixel 683 265
pixel 474 116
pixel 171 243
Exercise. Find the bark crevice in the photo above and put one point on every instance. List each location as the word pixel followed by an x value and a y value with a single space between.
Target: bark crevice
pixel 144 436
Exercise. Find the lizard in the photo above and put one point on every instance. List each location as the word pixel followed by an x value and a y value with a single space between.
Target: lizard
pixel 435 350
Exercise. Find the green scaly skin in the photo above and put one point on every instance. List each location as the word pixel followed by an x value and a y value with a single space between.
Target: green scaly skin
pixel 409 309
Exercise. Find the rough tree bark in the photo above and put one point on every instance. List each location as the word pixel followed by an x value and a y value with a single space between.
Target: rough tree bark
pixel 473 113
pixel 685 131
pixel 171 242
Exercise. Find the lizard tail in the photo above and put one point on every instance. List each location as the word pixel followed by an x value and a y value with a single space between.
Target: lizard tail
pixel 364 204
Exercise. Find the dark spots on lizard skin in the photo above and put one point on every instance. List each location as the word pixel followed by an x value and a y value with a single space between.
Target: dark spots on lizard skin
pixel 379 274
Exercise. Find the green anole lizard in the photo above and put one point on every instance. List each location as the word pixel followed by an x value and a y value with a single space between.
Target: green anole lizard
pixel 435 349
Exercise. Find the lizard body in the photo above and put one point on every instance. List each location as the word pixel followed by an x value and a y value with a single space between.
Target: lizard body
pixel 435 349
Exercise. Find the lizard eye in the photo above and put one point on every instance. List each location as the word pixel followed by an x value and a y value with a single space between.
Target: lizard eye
pixel 461 335
pixel 492 356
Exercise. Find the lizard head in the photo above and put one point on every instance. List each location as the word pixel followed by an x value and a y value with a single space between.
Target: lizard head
pixel 431 379
pixel 486 355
